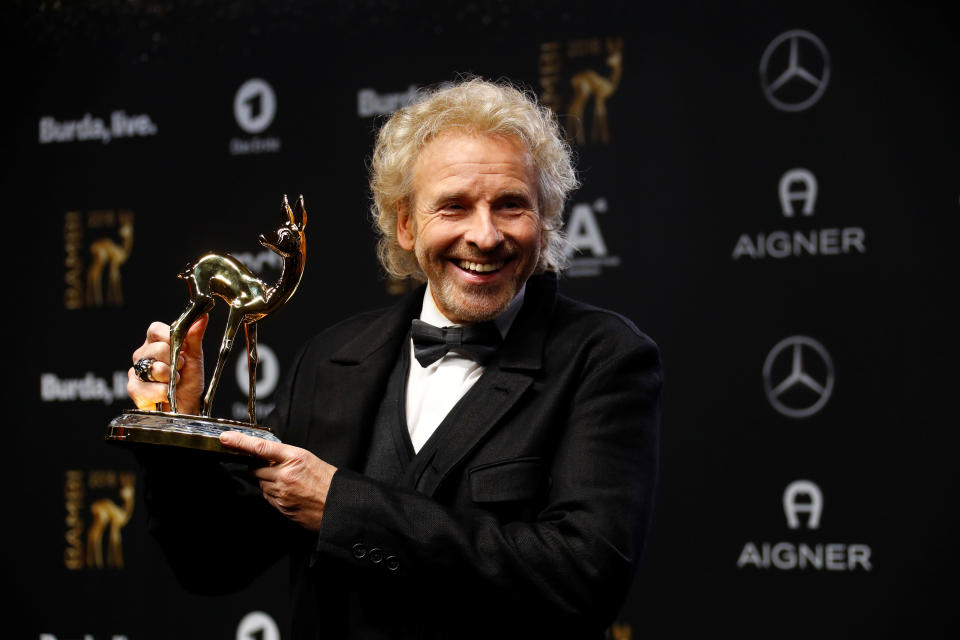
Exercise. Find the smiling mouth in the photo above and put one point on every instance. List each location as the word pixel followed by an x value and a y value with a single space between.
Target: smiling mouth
pixel 479 267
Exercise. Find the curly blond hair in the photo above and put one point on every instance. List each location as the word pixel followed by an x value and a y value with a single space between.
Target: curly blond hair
pixel 477 106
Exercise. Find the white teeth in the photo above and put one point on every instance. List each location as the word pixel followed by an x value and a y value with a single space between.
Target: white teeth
pixel 478 267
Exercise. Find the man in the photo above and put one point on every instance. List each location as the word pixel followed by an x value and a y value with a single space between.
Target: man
pixel 502 489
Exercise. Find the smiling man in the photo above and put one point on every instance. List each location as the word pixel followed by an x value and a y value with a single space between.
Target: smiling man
pixel 478 460
pixel 472 222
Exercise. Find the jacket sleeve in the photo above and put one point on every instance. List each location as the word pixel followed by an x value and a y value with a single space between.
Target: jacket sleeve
pixel 215 529
pixel 574 560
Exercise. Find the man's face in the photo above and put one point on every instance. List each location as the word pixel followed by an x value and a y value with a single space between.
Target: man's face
pixel 473 222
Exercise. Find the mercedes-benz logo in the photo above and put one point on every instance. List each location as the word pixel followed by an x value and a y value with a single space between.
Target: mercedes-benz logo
pixel 798 376
pixel 794 70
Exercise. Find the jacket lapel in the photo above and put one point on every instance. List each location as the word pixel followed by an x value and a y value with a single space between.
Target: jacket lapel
pixel 501 386
pixel 347 397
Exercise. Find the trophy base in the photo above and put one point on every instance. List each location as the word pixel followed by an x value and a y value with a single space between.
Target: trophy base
pixel 179 430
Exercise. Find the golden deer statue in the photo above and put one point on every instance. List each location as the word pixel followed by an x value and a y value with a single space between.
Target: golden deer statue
pixel 104 252
pixel 249 298
pixel 589 83
pixel 107 513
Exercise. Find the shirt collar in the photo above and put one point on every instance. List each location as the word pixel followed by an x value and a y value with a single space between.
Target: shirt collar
pixel 503 322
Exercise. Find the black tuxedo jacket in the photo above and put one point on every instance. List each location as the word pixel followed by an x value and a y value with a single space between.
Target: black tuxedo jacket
pixel 525 518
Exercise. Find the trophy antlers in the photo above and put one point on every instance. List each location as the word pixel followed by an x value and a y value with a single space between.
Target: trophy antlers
pixel 249 298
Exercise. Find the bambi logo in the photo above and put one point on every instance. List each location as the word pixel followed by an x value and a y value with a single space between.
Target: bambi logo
pixel 813 505
pixel 108 254
pixel 620 631
pixel 93 272
pixel 580 76
pixel 591 84
pixel 807 192
pixel 108 517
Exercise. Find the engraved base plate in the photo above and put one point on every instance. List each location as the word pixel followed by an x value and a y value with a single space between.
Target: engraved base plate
pixel 179 430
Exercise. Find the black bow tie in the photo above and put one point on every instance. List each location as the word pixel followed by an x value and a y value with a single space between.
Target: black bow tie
pixel 476 341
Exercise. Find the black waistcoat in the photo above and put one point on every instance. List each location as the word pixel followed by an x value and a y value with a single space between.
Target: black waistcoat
pixel 391 451
pixel 391 458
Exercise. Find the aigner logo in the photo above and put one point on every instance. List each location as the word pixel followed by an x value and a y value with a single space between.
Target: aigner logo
pixel 813 505
pixel 577 75
pixel 798 376
pixel 805 497
pixel 794 70
pixel 807 193
pixel 798 191
pixel 254 108
pixel 587 249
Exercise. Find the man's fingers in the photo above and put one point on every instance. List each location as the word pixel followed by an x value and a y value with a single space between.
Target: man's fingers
pixel 159 351
pixel 145 395
pixel 160 372
pixel 158 332
pixel 193 341
pixel 156 345
pixel 263 449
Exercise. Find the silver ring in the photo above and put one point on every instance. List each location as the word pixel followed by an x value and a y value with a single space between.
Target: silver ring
pixel 142 369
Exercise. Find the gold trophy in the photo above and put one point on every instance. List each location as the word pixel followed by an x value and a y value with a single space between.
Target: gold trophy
pixel 250 300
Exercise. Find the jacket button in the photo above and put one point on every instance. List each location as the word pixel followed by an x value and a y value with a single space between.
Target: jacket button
pixel 393 563
pixel 359 551
pixel 376 555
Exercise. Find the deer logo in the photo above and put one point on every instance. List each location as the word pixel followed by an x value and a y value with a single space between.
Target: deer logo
pixel 107 514
pixel 590 84
pixel 249 298
pixel 106 253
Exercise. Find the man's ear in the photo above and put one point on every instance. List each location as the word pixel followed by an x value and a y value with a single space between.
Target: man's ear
pixel 405 226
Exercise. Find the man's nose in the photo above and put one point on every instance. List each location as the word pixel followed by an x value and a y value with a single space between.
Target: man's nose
pixel 483 232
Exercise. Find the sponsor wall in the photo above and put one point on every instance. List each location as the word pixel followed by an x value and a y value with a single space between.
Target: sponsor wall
pixel 770 191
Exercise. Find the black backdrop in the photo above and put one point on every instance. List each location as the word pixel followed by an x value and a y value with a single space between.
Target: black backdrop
pixel 809 353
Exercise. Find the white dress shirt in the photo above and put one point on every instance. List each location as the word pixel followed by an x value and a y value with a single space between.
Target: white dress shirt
pixel 433 390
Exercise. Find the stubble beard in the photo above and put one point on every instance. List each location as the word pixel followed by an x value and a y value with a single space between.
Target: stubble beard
pixel 472 303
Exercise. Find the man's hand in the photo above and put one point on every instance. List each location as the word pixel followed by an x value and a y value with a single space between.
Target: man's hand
pixel 296 482
pixel 190 369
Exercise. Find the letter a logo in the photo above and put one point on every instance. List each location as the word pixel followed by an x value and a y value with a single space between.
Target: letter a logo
pixel 583 232
pixel 807 193
pixel 812 505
